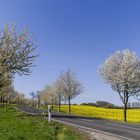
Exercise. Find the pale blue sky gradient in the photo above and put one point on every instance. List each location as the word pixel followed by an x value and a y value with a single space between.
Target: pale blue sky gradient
pixel 76 34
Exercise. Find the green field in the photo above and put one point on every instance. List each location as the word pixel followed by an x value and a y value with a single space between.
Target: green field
pixel 15 125
pixel 133 115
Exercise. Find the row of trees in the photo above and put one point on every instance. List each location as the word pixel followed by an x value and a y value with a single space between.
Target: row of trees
pixel 16 57
pixel 121 71
pixel 12 97
pixel 64 88
pixel 134 105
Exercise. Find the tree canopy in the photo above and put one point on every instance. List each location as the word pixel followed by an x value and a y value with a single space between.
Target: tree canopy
pixel 122 71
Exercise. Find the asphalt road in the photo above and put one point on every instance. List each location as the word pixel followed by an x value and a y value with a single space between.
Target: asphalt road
pixel 124 130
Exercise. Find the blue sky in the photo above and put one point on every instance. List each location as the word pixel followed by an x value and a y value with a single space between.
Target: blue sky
pixel 76 34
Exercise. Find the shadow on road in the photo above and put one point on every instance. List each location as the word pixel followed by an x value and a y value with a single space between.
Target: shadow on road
pixel 70 116
pixel 53 113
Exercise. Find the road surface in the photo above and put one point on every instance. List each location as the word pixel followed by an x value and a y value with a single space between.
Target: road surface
pixel 124 130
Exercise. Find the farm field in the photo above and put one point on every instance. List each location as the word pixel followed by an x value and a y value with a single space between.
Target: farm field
pixel 16 125
pixel 133 115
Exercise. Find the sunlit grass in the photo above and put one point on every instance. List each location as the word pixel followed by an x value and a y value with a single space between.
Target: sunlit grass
pixel 15 125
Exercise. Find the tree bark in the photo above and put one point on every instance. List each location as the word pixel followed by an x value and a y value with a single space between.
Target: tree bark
pixel 125 112
pixel 125 105
pixel 59 103
pixel 52 105
pixel 2 102
pixel 69 105
pixel 6 103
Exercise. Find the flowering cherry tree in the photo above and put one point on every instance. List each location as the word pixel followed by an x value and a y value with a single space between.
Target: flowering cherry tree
pixel 122 72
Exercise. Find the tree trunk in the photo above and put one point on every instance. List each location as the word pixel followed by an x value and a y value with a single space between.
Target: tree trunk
pixel 126 95
pixel 69 105
pixel 3 102
pixel 59 102
pixel 125 112
pixel 52 105
pixel 38 101
pixel 0 102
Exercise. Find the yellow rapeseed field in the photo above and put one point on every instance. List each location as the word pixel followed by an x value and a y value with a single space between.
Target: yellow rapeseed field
pixel 133 115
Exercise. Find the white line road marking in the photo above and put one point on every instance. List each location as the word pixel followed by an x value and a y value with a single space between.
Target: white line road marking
pixel 91 129
pixel 86 120
pixel 123 126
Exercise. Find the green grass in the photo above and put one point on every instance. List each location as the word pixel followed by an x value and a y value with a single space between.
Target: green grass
pixel 15 125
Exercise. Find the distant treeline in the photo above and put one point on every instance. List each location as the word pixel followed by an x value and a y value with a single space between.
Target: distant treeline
pixel 133 105
pixel 106 104
pixel 103 104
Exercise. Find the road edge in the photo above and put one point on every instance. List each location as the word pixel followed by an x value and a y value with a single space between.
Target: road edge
pixel 94 130
pixel 91 130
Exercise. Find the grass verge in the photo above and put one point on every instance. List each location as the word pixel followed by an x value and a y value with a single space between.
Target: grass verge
pixel 16 125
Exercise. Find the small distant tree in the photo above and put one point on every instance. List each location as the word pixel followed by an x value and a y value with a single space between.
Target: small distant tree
pixel 135 104
pixel 122 72
pixel 48 94
pixel 18 97
pixel 58 84
pixel 9 94
pixel 33 95
pixel 71 86
pixel 36 96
